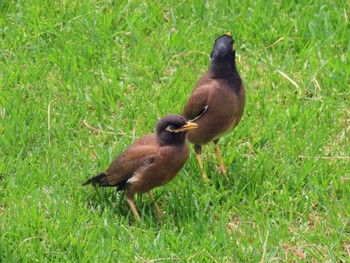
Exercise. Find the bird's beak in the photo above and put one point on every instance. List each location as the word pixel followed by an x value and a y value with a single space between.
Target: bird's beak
pixel 188 126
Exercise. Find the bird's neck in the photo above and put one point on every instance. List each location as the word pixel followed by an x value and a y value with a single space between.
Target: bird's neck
pixel 226 70
pixel 171 141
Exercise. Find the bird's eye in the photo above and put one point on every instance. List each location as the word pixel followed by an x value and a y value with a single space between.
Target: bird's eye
pixel 170 128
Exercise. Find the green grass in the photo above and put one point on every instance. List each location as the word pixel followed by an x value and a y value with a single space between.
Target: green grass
pixel 121 65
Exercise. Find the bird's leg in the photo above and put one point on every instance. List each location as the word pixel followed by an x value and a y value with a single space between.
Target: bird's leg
pixel 221 165
pixel 198 151
pixel 159 212
pixel 130 199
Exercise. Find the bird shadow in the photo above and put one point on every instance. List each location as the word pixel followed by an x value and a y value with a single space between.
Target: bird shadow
pixel 185 209
pixel 107 200
pixel 219 180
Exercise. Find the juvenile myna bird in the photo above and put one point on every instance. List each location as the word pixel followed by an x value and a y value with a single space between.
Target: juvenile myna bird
pixel 217 101
pixel 151 161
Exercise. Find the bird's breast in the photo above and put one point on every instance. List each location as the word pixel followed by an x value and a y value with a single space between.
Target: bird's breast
pixel 222 116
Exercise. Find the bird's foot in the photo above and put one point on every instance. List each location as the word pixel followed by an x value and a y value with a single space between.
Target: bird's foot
pixel 160 215
pixel 222 170
pixel 205 177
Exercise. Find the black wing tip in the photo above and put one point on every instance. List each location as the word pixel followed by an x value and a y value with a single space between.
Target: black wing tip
pixel 87 182
pixel 97 179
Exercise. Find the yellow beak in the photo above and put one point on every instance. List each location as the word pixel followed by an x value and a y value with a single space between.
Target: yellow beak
pixel 188 126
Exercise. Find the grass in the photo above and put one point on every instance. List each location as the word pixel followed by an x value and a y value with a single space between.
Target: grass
pixel 118 66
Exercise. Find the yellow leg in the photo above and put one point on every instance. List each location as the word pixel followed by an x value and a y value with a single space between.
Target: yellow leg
pixel 198 151
pixel 199 158
pixel 159 212
pixel 221 165
pixel 130 200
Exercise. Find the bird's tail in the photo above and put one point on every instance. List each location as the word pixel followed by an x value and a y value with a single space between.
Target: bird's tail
pixel 100 180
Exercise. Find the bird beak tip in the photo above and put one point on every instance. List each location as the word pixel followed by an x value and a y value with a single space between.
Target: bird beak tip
pixel 188 126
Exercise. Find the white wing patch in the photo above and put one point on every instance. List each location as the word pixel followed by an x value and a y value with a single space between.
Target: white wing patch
pixel 203 110
pixel 131 180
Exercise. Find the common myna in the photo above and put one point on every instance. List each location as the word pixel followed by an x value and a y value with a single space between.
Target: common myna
pixel 151 161
pixel 217 101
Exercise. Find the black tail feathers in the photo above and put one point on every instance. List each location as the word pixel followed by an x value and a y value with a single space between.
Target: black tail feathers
pixel 100 180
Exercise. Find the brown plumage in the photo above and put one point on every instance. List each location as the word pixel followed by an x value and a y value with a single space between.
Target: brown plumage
pixel 151 161
pixel 217 101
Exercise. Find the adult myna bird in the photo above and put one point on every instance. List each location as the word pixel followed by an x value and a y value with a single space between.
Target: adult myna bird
pixel 151 161
pixel 217 101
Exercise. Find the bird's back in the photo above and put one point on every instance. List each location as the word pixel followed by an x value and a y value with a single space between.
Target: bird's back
pixel 138 156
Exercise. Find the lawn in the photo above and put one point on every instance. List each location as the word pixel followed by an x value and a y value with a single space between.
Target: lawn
pixel 81 80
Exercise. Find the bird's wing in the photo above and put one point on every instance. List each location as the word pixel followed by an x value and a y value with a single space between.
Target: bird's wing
pixel 130 161
pixel 197 103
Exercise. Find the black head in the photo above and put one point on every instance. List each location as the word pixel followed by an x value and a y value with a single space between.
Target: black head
pixel 224 49
pixel 172 129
